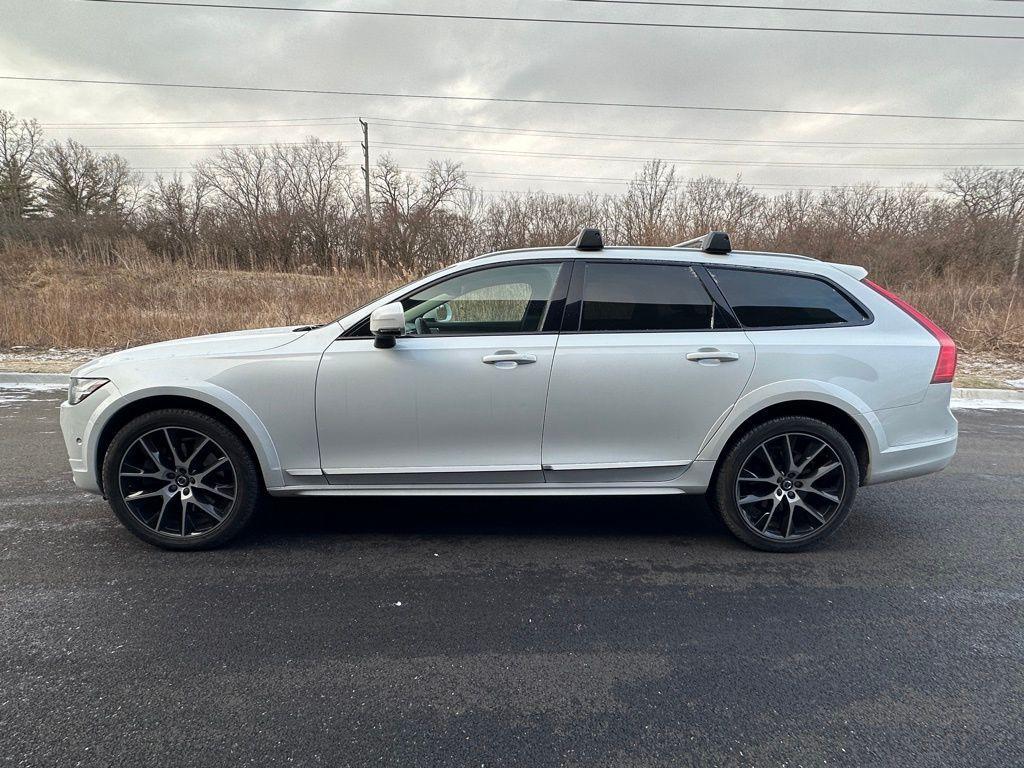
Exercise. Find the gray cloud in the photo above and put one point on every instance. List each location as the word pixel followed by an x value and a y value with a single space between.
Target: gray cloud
pixel 832 72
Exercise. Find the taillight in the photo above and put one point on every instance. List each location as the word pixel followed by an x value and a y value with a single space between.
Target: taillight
pixel 945 366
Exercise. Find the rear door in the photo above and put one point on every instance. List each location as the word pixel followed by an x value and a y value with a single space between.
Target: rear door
pixel 648 363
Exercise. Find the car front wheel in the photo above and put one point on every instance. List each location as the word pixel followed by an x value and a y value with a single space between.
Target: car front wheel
pixel 786 484
pixel 180 479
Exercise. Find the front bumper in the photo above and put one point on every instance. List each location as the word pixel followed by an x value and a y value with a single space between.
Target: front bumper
pixel 78 425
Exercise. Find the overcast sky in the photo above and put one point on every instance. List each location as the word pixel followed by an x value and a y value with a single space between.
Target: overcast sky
pixel 73 39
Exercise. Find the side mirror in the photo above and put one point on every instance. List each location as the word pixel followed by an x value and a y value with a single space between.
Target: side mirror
pixel 386 324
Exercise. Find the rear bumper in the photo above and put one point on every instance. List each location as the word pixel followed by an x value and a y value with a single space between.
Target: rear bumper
pixel 906 461
pixel 914 439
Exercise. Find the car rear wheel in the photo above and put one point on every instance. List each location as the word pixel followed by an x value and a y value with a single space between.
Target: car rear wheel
pixel 787 484
pixel 180 479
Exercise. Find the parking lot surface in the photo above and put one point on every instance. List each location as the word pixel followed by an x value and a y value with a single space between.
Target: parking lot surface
pixel 534 632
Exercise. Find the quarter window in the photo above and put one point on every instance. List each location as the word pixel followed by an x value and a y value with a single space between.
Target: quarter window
pixel 644 297
pixel 774 300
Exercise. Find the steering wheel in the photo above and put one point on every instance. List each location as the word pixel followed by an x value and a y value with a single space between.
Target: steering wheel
pixel 422 328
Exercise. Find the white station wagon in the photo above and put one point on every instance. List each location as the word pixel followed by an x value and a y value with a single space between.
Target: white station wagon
pixel 775 384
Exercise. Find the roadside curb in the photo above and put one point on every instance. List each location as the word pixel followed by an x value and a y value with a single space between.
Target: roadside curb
pixel 994 399
pixel 962 393
pixel 14 377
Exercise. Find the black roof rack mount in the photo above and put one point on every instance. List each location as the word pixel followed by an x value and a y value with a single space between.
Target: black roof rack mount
pixel 713 242
pixel 589 239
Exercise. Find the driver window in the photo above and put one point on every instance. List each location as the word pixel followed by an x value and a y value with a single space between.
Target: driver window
pixel 507 299
pixel 507 302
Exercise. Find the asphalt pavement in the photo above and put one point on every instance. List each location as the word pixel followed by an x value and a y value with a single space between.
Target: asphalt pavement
pixel 528 632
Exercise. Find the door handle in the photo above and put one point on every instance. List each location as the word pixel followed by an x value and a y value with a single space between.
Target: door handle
pixel 508 358
pixel 712 354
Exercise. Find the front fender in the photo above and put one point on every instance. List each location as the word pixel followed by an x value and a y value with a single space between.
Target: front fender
pixel 209 394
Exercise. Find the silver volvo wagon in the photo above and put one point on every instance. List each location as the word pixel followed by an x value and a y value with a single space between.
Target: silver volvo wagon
pixel 775 384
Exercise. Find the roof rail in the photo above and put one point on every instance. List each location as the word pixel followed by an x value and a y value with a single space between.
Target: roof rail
pixel 713 242
pixel 589 239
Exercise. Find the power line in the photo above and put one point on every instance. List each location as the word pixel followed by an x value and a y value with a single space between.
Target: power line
pixel 510 100
pixel 593 179
pixel 263 123
pixel 535 20
pixel 705 141
pixel 732 6
pixel 686 161
pixel 582 156
pixel 241 145
pixel 615 180
pixel 576 156
pixel 351 142
pixel 286 122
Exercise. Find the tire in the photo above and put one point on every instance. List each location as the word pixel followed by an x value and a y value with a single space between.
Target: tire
pixel 181 480
pixel 767 505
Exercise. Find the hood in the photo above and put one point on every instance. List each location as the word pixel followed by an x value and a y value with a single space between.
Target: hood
pixel 232 342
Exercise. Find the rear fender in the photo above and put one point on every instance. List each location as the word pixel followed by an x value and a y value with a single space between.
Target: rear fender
pixel 755 401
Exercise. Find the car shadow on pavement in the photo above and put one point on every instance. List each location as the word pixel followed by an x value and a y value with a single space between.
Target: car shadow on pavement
pixel 592 516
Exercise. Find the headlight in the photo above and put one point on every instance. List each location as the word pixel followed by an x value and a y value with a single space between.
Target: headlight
pixel 82 388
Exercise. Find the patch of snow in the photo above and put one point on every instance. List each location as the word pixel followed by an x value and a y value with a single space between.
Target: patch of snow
pixel 987 404
pixel 73 354
pixel 15 393
pixel 33 386
pixel 6 401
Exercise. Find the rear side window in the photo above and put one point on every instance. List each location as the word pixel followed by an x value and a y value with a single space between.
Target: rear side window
pixel 775 300
pixel 644 297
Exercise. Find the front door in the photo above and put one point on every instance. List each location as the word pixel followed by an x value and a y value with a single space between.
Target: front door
pixel 642 374
pixel 460 398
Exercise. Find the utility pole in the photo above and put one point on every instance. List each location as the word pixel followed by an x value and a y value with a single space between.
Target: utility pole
pixel 1020 251
pixel 366 178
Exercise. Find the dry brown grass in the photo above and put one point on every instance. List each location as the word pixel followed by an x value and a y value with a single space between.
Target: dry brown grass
pixel 984 316
pixel 51 298
pixel 50 301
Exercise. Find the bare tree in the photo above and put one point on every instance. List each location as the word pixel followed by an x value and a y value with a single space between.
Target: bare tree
pixel 20 142
pixel 412 211
pixel 987 192
pixel 240 178
pixel 786 220
pixel 253 222
pixel 316 184
pixel 643 214
pixel 993 200
pixel 174 212
pixel 707 203
pixel 295 206
pixel 286 203
pixel 79 183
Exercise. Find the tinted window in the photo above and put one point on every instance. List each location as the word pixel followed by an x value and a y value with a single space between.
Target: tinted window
pixel 771 300
pixel 644 297
pixel 508 299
